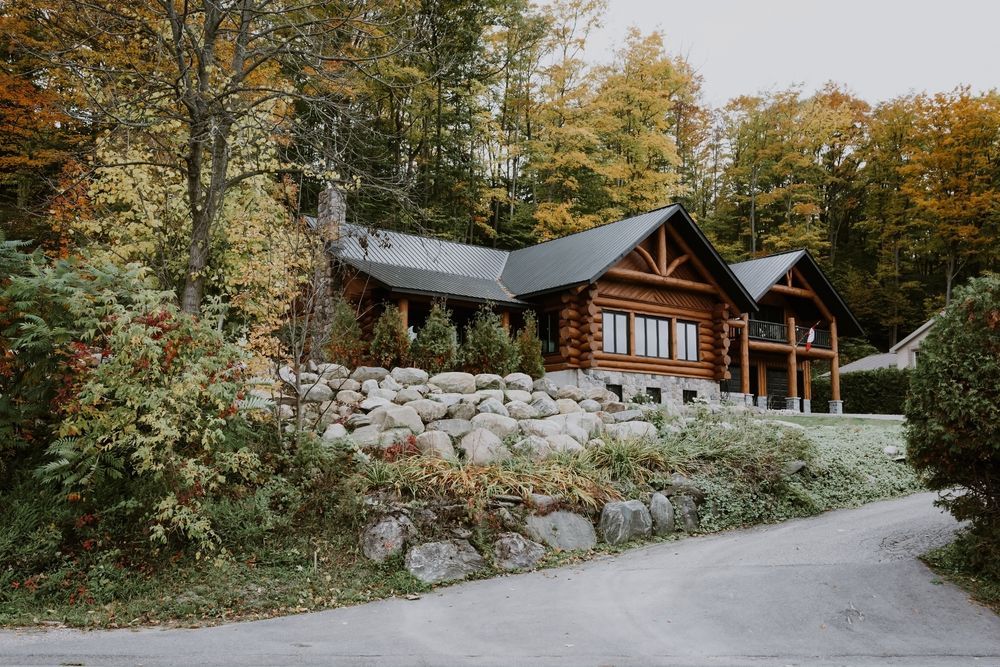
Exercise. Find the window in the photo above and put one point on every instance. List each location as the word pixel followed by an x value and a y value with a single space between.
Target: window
pixel 689 395
pixel 548 331
pixel 615 326
pixel 687 340
pixel 655 395
pixel 615 389
pixel 652 337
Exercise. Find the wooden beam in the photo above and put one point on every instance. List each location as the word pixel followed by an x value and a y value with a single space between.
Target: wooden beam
pixel 793 366
pixel 834 362
pixel 674 264
pixel 785 348
pixel 661 281
pixel 792 291
pixel 653 266
pixel 705 273
pixel 404 311
pixel 661 248
pixel 815 297
pixel 744 355
pixel 619 303
pixel 505 319
pixel 761 378
pixel 807 380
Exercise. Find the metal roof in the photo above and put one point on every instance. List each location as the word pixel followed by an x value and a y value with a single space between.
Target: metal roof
pixel 410 280
pixel 916 332
pixel 870 363
pixel 760 275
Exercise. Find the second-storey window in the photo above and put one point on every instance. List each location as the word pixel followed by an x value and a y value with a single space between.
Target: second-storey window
pixel 687 340
pixel 652 337
pixel 615 331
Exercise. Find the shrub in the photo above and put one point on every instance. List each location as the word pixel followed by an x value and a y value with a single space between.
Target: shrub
pixel 436 346
pixel 488 347
pixel 953 412
pixel 529 347
pixel 347 345
pixel 881 391
pixel 390 341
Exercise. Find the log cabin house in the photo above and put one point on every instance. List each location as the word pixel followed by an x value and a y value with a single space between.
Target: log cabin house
pixel 644 305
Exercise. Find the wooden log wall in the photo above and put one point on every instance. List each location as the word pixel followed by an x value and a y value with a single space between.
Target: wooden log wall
pixel 578 326
pixel 720 331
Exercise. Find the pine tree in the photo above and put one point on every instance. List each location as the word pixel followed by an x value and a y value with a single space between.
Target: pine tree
pixel 390 342
pixel 347 346
pixel 488 347
pixel 529 347
pixel 436 347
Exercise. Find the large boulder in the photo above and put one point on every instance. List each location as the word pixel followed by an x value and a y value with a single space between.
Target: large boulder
pixel 334 432
pixel 521 410
pixel 447 399
pixel 493 406
pixel 535 447
pixel 562 530
pixel 409 376
pixel 332 371
pixel 366 436
pixel 590 405
pixel 427 409
pixel 449 560
pixel 462 411
pixel 544 404
pixel 389 382
pixel 562 443
pixel 483 394
pixel 499 425
pixel 631 431
pixel 394 436
pixel 567 405
pixel 386 537
pixel 513 551
pixel 368 386
pixel 348 397
pixel 519 381
pixel 662 513
pixel 546 385
pixel 457 383
pixel 571 392
pixel 455 428
pixel 406 395
pixel 685 513
pixel 373 402
pixel 397 416
pixel 518 395
pixel 316 392
pixel 539 427
pixel 628 416
pixel 483 447
pixel 387 394
pixel 362 373
pixel 489 381
pixel 623 521
pixel 436 443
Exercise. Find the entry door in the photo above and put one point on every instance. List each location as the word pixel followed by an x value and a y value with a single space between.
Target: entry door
pixel 777 387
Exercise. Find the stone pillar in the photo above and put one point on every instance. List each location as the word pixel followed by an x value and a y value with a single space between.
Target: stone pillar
pixel 762 402
pixel 807 406
pixel 748 400
pixel 792 403
pixel 836 407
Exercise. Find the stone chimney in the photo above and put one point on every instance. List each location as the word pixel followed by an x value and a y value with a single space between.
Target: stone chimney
pixel 331 213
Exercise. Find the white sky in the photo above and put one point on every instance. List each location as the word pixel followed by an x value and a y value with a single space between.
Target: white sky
pixel 878 48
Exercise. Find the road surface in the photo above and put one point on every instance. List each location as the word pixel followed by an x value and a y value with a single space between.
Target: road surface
pixel 841 588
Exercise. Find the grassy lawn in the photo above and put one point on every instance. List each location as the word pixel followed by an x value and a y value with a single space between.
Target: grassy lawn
pixel 310 564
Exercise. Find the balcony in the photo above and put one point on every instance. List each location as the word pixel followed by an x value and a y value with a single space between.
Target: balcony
pixel 777 332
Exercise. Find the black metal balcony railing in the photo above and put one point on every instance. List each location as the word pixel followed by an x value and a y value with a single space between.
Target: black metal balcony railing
pixel 822 337
pixel 778 333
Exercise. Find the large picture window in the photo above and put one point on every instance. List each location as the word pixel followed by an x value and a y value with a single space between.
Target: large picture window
pixel 615 329
pixel 687 340
pixel 652 337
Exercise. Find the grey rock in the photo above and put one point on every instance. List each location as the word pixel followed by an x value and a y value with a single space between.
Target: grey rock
pixel 497 424
pixel 366 436
pixel 362 373
pixel 518 395
pixel 489 381
pixel 681 486
pixel 482 447
pixel 389 382
pixel 567 405
pixel 594 443
pixel 493 406
pixel 449 560
pixel 590 405
pixel 521 410
pixel 357 420
pixel 373 403
pixel 368 386
pixel 447 399
pixel 891 450
pixel 632 431
pixel 394 436
pixel 628 416
pixel 562 530
pixel 685 513
pixel 624 521
pixel 546 385
pixel 535 447
pixel 386 537
pixel 544 404
pixel 455 428
pixel 662 513
pixel 436 443
pixel 518 381
pixel 792 467
pixel 348 397
pixel 614 407
pixel 539 427
pixel 334 432
pixel 513 551
pixel 332 371
pixel 387 394
pixel 345 385
pixel 427 409
pixel 316 392
pixel 406 395
pixel 462 411
pixel 483 394
pixel 308 378
pixel 571 392
pixel 408 376
pixel 458 383
pixel 564 444
pixel 286 374
pixel 397 416
pixel 543 503
pixel 596 393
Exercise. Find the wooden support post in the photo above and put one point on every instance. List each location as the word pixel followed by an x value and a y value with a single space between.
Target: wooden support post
pixel 834 362
pixel 807 380
pixel 793 378
pixel 762 378
pixel 661 247
pixel 745 356
pixel 505 319
pixel 404 311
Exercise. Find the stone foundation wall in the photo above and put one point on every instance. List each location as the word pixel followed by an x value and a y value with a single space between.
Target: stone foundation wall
pixel 671 387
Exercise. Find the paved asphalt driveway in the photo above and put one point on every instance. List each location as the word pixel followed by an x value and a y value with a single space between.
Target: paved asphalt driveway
pixel 842 588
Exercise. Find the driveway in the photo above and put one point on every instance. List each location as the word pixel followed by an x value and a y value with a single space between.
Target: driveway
pixel 841 588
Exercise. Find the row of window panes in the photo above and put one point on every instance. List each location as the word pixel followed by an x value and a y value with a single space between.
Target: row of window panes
pixel 652 336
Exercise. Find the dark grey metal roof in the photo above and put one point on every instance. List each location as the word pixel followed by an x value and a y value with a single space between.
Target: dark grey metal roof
pixel 410 280
pixel 760 275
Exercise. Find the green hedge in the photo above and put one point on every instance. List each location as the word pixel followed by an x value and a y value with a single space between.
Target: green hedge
pixel 881 391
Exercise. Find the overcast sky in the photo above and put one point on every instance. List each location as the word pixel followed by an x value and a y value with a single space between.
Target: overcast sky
pixel 879 48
